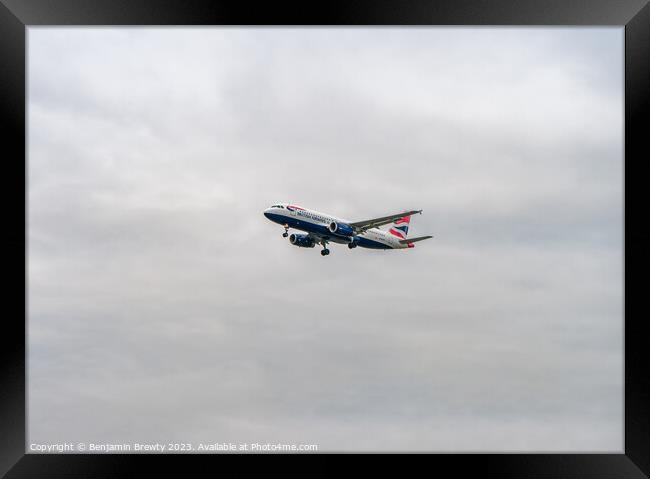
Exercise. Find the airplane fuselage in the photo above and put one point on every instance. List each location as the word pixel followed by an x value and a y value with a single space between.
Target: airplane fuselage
pixel 316 223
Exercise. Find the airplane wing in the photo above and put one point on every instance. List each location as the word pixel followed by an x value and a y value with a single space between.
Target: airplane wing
pixel 318 238
pixel 323 238
pixel 413 240
pixel 361 226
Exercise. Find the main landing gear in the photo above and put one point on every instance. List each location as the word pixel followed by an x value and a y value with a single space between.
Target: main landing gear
pixel 325 251
pixel 286 229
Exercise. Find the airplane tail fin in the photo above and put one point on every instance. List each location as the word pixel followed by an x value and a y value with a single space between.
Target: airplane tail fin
pixel 400 227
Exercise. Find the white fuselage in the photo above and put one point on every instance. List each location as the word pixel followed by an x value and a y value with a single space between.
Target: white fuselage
pixel 316 223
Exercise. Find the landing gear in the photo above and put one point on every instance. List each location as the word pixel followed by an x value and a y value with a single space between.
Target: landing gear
pixel 286 229
pixel 352 245
pixel 325 251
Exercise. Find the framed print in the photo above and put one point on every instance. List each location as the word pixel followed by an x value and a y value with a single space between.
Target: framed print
pixel 358 229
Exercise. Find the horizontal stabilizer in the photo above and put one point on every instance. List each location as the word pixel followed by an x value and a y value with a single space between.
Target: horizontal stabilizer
pixel 413 240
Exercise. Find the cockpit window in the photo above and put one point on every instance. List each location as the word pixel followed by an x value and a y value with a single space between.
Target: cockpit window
pixel 277 206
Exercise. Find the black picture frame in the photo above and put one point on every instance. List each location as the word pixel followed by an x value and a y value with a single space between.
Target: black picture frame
pixel 17 15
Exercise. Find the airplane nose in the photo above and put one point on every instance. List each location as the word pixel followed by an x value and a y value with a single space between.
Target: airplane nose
pixel 267 214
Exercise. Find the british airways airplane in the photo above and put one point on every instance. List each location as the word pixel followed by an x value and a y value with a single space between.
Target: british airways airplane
pixel 322 229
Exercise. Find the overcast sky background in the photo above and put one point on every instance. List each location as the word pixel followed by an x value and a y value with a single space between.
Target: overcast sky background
pixel 164 307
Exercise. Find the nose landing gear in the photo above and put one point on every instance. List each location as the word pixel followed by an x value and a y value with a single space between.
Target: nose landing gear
pixel 286 229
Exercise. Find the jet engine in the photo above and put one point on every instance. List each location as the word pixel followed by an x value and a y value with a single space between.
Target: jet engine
pixel 302 241
pixel 340 229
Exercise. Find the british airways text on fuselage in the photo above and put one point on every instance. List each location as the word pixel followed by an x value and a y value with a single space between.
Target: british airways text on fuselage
pixel 322 229
pixel 312 215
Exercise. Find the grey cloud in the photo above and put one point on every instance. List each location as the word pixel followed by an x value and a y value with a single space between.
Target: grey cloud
pixel 163 306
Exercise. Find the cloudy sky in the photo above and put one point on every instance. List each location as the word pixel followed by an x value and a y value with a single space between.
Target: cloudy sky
pixel 164 307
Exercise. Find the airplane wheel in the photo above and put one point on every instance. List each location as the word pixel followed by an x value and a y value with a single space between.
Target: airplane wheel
pixel 352 245
pixel 284 235
pixel 325 252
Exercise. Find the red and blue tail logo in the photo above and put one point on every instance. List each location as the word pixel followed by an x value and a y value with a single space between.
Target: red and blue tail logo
pixel 400 227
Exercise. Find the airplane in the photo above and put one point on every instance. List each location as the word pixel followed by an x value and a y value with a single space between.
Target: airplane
pixel 323 228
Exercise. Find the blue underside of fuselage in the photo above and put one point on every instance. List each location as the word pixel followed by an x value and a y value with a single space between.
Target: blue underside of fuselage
pixel 323 231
